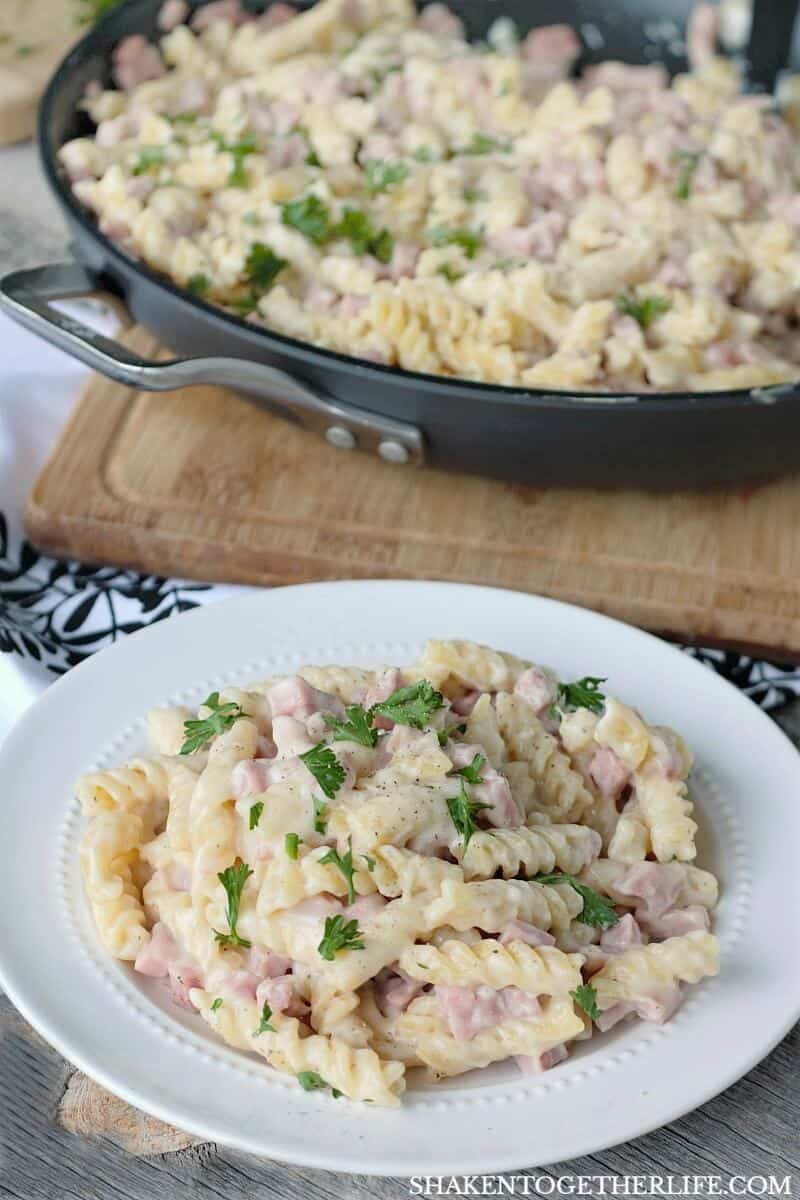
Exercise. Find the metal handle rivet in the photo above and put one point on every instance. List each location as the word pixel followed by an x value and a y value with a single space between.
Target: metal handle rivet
pixel 393 452
pixel 340 437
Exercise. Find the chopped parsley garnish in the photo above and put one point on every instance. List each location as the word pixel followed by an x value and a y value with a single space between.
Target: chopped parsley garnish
pixel 472 771
pixel 233 880
pixel 413 705
pixel 470 240
pixel 355 729
pixel 583 693
pixel 325 767
pixel 365 239
pixel 310 1081
pixel 251 218
pixel 339 935
pixel 424 154
pixel 311 158
pixel 183 118
pixel 239 152
pixel 291 843
pixel 255 813
pixel 473 194
pixel 264 1025
pixel 308 216
pixel 221 717
pixel 596 911
pixel 463 812
pixel 344 864
pixel 444 735
pixel 689 161
pixel 198 285
pixel 643 309
pixel 481 143
pixel 370 862
pixel 24 49
pixel 263 266
pixel 149 157
pixel 320 817
pixel 382 174
pixel 449 273
pixel 586 998
pixel 94 10
pixel 217 1004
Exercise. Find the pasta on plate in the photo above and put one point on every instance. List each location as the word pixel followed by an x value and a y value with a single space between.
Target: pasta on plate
pixel 354 872
pixel 362 178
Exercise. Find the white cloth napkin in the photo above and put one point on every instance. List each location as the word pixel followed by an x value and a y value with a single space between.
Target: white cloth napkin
pixel 53 614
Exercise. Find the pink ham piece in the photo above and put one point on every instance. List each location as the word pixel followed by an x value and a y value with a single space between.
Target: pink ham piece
pixel 623 77
pixel 250 777
pixel 183 976
pixel 277 14
pixel 502 810
pixel 394 991
pixel 534 1065
pixel 521 931
pixel 228 11
pixel 282 996
pixel 609 772
pixel 266 964
pixel 676 922
pixel 552 46
pixel 294 697
pixel 469 1010
pixel 171 14
pixel 463 705
pixel 365 907
pixel 154 960
pixel 351 305
pixel 134 61
pixel 657 1005
pixel 622 936
pixel 535 686
pixel 244 984
pixel 290 737
pixel 390 680
pixel 440 21
pixel 321 299
pixel 317 907
pixel 654 883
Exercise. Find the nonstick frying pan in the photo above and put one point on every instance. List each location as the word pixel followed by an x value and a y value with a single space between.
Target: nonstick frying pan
pixel 540 438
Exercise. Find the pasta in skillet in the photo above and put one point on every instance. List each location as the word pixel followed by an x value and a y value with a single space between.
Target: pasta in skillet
pixel 353 873
pixel 360 177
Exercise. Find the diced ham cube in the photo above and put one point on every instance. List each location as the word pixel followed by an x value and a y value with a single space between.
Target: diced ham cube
pixel 463 705
pixel 365 907
pixel 530 1065
pixel 171 14
pixel 676 922
pixel 183 976
pixel 266 964
pixel 522 931
pixel 439 20
pixel 277 14
pixel 535 686
pixel 552 45
pixel 244 984
pixel 229 11
pixel 317 907
pixel 469 1010
pixel 154 959
pixel 622 936
pixel 294 697
pixel 654 883
pixel 394 991
pixel 282 996
pixel 609 772
pixel 134 61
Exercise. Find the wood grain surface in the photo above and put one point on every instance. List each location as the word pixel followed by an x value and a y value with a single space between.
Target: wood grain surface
pixel 34 36
pixel 201 483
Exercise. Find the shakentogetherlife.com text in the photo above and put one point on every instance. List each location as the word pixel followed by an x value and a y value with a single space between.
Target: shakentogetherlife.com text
pixel 604 1185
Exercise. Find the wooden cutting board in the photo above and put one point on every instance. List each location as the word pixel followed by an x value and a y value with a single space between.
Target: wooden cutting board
pixel 201 483
pixel 34 36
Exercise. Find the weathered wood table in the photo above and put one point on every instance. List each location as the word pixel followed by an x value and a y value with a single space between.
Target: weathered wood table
pixel 61 1138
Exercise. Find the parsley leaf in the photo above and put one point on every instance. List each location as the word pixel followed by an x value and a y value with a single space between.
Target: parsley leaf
pixel 291 843
pixel 312 159
pixel 586 998
pixel 238 151
pixel 643 309
pixel 596 911
pixel 481 143
pixel 149 157
pixel 444 735
pixel 450 274
pixel 689 161
pixel 472 771
pixel 308 216
pixel 255 813
pixel 217 1004
pixel 413 705
pixel 365 239
pixel 473 194
pixel 233 880
pixel 463 812
pixel 339 935
pixel 424 154
pixel 198 285
pixel 263 267
pixel 94 10
pixel 197 733
pixel 320 817
pixel 264 1025
pixel 583 693
pixel 382 174
pixel 355 729
pixel 344 863
pixel 310 1081
pixel 325 767
pixel 470 240
pixel 370 862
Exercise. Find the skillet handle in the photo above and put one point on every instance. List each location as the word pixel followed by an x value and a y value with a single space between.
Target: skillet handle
pixel 27 295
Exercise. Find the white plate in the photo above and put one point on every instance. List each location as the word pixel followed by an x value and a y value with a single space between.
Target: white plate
pixel 99 1014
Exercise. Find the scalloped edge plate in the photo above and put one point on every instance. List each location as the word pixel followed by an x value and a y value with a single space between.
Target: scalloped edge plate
pixel 99 1015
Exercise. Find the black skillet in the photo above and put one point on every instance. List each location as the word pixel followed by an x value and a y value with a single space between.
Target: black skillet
pixel 533 437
